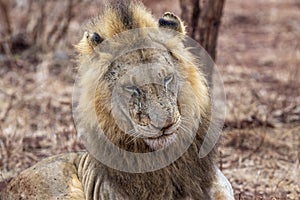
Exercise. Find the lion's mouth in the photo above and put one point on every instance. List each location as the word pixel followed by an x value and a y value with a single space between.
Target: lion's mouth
pixel 165 137
pixel 162 141
pixel 168 135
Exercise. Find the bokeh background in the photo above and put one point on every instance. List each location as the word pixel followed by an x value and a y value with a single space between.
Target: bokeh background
pixel 258 56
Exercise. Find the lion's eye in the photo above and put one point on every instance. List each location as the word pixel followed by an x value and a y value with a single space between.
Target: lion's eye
pixel 135 91
pixel 96 38
pixel 168 80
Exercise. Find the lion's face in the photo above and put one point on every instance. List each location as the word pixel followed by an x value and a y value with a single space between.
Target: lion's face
pixel 154 111
pixel 146 97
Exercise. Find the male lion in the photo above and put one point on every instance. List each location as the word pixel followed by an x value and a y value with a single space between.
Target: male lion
pixel 146 100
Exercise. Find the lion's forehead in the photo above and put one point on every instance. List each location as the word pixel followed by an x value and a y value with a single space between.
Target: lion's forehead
pixel 144 63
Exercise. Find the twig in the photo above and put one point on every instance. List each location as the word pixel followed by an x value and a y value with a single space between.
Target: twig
pixel 67 22
pixel 9 107
pixel 40 25
pixel 53 30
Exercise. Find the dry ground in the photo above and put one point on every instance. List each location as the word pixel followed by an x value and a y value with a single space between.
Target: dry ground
pixel 258 57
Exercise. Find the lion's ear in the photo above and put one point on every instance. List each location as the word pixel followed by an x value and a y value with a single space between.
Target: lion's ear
pixel 171 21
pixel 88 43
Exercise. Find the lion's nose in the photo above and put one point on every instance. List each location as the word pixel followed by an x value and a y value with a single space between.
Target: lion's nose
pixel 163 123
pixel 161 118
pixel 168 123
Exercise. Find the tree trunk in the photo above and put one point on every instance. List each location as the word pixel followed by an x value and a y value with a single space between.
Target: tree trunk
pixel 203 18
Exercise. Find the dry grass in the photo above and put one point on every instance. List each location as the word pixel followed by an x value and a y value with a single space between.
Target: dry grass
pixel 259 60
pixel 258 57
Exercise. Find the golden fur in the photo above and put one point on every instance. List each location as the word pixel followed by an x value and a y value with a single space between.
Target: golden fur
pixel 189 177
pixel 171 181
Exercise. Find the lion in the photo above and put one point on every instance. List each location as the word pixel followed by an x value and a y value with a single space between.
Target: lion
pixel 161 99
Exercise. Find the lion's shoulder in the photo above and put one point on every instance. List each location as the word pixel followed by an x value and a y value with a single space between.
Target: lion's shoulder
pixel 52 177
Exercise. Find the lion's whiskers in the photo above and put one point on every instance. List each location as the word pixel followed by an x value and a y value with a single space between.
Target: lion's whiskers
pixel 134 134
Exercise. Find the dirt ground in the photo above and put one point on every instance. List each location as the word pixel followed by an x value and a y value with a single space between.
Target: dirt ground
pixel 258 58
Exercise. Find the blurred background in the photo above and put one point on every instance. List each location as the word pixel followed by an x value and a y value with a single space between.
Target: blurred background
pixel 257 54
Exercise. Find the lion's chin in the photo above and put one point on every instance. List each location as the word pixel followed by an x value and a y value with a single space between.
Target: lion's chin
pixel 161 141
